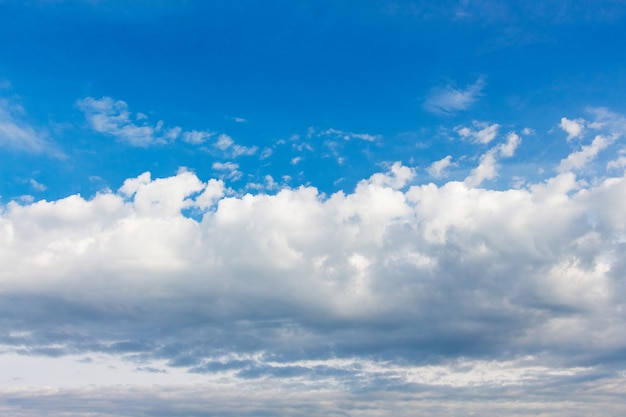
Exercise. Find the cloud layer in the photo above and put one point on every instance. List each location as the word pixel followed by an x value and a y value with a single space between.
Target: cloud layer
pixel 163 266
pixel 394 286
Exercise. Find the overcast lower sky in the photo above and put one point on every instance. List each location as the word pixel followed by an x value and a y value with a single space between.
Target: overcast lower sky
pixel 302 208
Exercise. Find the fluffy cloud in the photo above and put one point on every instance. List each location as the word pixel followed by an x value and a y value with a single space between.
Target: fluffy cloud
pixel 227 145
pixel 281 274
pixel 483 132
pixel 448 100
pixel 488 166
pixel 394 287
pixel 587 153
pixel 437 168
pixel 573 128
pixel 230 169
pixel 195 137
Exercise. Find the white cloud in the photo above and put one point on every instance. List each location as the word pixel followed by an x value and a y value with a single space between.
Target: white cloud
pixel 266 153
pixel 618 163
pixel 488 166
pixel 448 100
pixel 173 133
pixel 397 177
pixel 487 169
pixel 508 148
pixel 573 128
pixel 224 142
pixel 16 133
pixel 36 185
pixel 227 145
pixel 578 160
pixel 318 296
pixel 607 120
pixel 437 169
pixel 112 117
pixel 197 137
pixel 483 132
pixel 341 134
pixel 231 168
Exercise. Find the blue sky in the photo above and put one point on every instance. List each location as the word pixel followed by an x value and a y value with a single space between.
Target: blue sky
pixel 303 208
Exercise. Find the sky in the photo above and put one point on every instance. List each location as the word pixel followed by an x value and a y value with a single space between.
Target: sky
pixel 341 208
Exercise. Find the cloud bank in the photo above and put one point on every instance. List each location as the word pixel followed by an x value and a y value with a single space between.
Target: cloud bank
pixel 395 287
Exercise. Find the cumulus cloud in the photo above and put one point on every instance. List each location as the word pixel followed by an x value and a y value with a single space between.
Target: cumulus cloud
pixel 186 281
pixel 449 100
pixel 587 153
pixel 230 169
pixel 194 137
pixel 482 133
pixel 488 166
pixel 227 145
pixel 437 169
pixel 573 128
pixel 280 274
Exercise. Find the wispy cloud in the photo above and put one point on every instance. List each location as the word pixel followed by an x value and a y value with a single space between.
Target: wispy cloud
pixel 341 134
pixel 448 100
pixel 230 169
pixel 17 134
pixel 112 117
pixel 195 137
pixel 36 185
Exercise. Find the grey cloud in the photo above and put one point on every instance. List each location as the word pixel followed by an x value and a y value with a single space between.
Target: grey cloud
pixel 172 401
pixel 516 290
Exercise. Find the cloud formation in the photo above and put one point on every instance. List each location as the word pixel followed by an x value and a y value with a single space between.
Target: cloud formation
pixel 111 117
pixel 573 128
pixel 488 167
pixel 449 100
pixel 17 134
pixel 395 286
pixel 437 168
pixel 483 132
